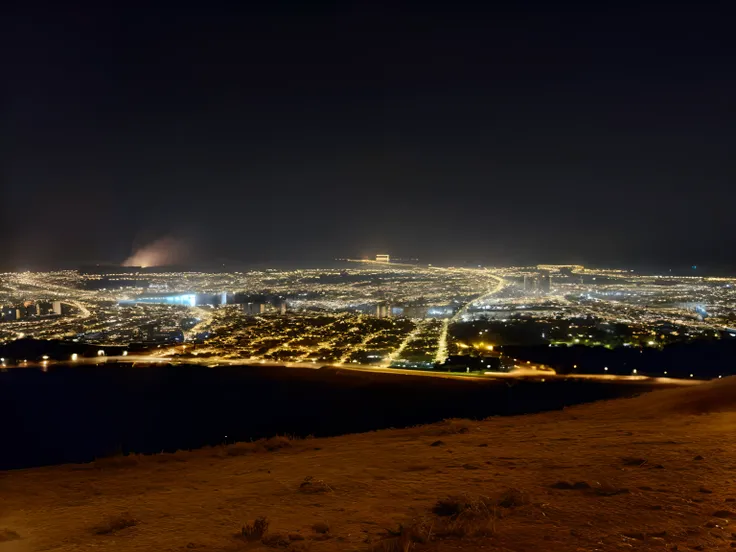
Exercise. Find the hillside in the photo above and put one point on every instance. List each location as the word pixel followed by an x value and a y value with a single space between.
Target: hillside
pixel 653 472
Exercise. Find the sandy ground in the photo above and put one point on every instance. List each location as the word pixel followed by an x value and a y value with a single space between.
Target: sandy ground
pixel 656 472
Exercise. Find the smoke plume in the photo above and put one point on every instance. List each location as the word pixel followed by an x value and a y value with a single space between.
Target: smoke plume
pixel 162 252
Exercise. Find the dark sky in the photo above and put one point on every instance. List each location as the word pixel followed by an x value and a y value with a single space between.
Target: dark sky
pixel 534 132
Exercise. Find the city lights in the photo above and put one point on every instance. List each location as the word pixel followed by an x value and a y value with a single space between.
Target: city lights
pixel 385 314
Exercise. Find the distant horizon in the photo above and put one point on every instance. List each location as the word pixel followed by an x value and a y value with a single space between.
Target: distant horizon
pixel 503 135
pixel 331 263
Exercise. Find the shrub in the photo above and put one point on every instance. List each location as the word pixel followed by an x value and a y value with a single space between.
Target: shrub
pixel 256 530
pixel 115 524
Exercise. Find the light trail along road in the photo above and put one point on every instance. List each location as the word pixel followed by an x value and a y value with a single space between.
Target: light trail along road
pixel 441 355
pixel 213 362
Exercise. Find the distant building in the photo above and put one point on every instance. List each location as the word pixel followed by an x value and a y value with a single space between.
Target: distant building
pixel 255 308
pixel 530 283
pixel 185 300
pixel 545 281
pixel 30 309
pixel 383 310
pixel 57 307
pixel 537 283
pixel 415 311
pixel 382 258
pixel 154 333
pixel 223 298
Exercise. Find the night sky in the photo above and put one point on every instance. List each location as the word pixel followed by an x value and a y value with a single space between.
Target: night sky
pixel 535 132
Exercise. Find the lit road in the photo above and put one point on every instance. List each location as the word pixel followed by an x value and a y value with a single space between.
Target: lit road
pixel 441 355
pixel 396 353
pixel 214 362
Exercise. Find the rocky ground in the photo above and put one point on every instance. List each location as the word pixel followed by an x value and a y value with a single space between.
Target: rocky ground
pixel 657 472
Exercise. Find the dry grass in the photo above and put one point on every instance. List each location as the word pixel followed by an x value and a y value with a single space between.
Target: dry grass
pixel 456 517
pixel 506 505
pixel 256 530
pixel 276 540
pixel 469 516
pixel 115 524
pixel 404 538
pixel 513 498
pixel 261 446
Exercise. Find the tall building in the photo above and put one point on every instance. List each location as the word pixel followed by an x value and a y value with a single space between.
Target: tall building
pixel 223 298
pixel 57 307
pixel 530 282
pixel 382 258
pixel 545 281
pixel 415 311
pixel 254 308
pixel 383 310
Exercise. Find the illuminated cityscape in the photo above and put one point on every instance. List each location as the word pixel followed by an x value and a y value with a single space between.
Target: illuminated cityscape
pixel 367 313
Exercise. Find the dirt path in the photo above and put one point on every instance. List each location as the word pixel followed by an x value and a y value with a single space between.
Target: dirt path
pixel 648 473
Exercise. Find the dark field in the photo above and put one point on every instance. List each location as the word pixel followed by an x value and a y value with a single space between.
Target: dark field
pixel 82 413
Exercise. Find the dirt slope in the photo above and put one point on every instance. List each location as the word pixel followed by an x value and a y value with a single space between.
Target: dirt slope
pixel 656 472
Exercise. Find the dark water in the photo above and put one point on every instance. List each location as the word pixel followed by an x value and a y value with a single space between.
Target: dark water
pixel 77 414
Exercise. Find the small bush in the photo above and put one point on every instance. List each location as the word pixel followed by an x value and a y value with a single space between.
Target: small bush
pixel 256 530
pixel 276 443
pixel 468 517
pixel 115 524
pixel 8 535
pixel 321 527
pixel 313 486
pixel 449 507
